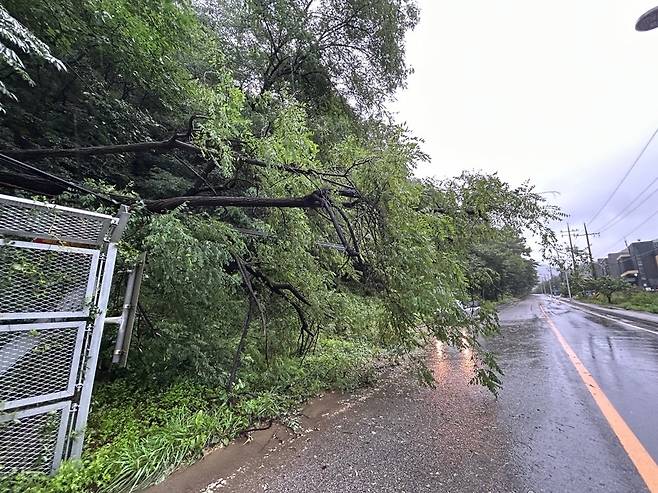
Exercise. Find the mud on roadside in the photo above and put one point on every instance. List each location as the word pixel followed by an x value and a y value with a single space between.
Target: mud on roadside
pixel 221 466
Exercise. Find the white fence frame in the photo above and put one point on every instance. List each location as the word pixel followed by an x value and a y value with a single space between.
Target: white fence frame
pixel 56 227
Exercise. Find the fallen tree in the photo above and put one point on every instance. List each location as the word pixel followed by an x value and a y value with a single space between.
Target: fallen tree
pixel 320 199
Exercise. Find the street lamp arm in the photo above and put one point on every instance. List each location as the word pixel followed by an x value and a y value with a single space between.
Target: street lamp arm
pixel 648 20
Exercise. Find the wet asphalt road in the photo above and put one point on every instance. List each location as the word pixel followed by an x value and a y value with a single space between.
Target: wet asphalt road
pixel 622 359
pixel 544 433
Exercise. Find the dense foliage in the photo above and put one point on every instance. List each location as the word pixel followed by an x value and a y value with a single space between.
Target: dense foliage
pixel 315 48
pixel 139 432
pixel 17 37
pixel 501 266
pixel 291 102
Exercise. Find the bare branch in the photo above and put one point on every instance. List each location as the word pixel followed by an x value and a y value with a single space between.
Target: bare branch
pixel 277 288
pixel 250 288
pixel 190 126
pixel 203 177
pixel 238 352
pixel 199 178
pixel 306 335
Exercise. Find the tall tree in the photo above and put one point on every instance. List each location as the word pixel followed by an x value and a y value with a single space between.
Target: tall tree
pixel 313 48
pixel 238 191
pixel 607 285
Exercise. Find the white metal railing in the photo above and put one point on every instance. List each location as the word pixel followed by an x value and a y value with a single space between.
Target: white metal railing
pixel 56 267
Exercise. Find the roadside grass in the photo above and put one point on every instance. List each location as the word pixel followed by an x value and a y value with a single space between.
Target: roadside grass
pixel 504 300
pixel 137 434
pixel 631 300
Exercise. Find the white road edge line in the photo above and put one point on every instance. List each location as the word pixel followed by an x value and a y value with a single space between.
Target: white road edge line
pixel 609 318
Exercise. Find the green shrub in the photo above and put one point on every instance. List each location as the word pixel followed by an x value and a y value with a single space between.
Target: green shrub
pixel 631 300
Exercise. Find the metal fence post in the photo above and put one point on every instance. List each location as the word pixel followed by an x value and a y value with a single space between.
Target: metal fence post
pixel 92 352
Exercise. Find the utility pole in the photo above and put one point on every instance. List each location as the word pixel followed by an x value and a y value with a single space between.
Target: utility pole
pixel 566 276
pixel 550 279
pixel 573 256
pixel 589 249
pixel 634 261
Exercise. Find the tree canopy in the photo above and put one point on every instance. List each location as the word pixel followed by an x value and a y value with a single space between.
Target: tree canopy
pixel 315 49
pixel 501 266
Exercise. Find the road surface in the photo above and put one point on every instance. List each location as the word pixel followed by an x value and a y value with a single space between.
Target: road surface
pixel 578 413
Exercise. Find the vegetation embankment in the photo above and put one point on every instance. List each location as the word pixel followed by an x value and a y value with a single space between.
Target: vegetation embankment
pixel 608 291
pixel 139 432
pixel 286 235
pixel 507 299
pixel 631 299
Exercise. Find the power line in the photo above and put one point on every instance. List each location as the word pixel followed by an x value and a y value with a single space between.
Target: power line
pixel 628 172
pixel 15 163
pixel 602 230
pixel 642 223
pixel 630 204
pixel 651 216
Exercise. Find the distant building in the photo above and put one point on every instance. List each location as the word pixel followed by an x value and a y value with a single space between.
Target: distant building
pixel 612 263
pixel 638 263
pixel 626 266
pixel 643 254
pixel 600 267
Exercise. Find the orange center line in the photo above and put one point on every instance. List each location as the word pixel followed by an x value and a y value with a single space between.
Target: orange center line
pixel 642 460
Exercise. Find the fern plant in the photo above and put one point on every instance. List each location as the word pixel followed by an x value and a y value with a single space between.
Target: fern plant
pixel 16 37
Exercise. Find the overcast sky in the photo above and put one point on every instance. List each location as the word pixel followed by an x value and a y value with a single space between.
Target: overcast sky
pixel 563 93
